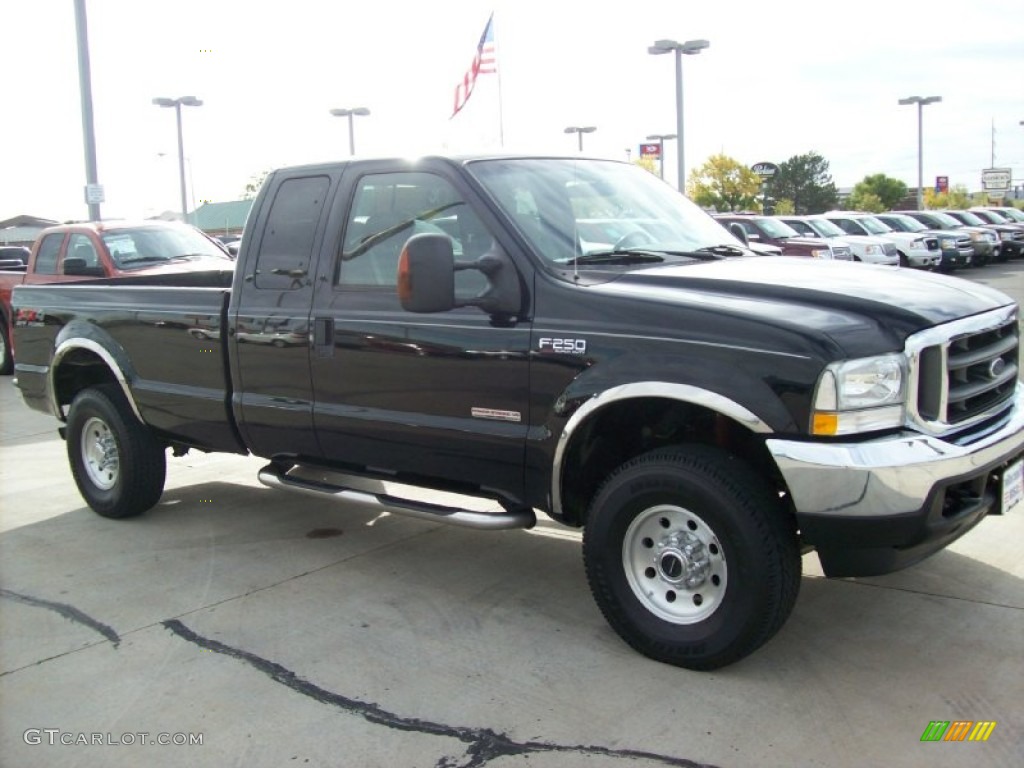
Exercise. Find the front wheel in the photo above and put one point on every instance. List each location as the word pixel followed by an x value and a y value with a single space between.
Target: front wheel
pixel 118 466
pixel 690 557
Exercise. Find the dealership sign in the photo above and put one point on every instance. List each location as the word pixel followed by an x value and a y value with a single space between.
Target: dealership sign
pixel 996 179
pixel 650 150
pixel 765 170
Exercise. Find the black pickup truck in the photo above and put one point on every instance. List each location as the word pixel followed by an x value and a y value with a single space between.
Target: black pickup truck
pixel 560 335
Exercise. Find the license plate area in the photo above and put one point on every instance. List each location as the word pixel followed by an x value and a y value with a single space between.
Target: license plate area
pixel 1013 487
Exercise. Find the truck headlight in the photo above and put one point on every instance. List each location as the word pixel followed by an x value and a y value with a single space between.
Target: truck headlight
pixel 860 396
pixel 872 249
pixel 919 245
pixel 821 253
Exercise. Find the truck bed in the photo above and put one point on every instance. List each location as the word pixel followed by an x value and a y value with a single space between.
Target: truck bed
pixel 164 331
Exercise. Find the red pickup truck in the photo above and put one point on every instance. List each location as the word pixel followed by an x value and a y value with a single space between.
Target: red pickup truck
pixel 76 252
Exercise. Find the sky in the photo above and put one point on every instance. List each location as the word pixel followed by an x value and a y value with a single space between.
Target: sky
pixel 779 79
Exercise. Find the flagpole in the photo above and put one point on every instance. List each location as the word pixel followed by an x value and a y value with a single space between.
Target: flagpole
pixel 501 108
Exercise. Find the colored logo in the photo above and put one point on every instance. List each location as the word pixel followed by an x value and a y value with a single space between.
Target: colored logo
pixel 958 730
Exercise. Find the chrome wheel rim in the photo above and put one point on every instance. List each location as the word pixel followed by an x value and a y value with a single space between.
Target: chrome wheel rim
pixel 674 564
pixel 99 454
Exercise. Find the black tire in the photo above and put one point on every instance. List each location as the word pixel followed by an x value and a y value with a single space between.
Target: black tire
pixel 6 352
pixel 118 466
pixel 904 261
pixel 743 558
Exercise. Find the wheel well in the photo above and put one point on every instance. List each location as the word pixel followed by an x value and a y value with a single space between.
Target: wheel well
pixel 629 428
pixel 80 369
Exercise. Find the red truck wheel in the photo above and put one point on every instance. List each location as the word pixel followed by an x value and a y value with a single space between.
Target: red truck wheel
pixel 118 466
pixel 690 557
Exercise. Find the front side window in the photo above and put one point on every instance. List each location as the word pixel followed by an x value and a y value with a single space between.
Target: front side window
pixel 81 258
pixel 388 209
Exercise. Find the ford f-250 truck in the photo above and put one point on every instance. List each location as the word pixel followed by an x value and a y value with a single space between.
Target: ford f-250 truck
pixel 71 252
pixel 560 335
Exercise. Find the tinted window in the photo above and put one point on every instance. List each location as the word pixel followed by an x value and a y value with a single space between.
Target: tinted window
pixel 81 258
pixel 49 250
pixel 388 209
pixel 287 245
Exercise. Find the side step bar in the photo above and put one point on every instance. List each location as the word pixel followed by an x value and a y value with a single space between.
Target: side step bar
pixel 277 476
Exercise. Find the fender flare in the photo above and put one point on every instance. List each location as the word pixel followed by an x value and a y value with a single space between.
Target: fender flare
pixel 73 344
pixel 685 393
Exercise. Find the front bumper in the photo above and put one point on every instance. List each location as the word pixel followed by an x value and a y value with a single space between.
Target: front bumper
pixel 882 505
pixel 924 259
pixel 953 258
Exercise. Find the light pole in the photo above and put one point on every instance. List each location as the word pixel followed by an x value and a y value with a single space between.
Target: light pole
pixel 661 138
pixel 350 114
pixel 920 101
pixel 579 131
pixel 188 101
pixel 689 48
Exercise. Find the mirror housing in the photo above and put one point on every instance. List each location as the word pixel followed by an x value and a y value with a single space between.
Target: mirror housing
pixel 737 231
pixel 426 278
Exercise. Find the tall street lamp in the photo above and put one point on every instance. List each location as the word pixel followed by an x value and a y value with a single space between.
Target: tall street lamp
pixel 689 48
pixel 188 101
pixel 579 131
pixel 920 101
pixel 350 114
pixel 661 138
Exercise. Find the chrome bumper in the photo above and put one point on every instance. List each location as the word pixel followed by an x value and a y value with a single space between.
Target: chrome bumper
pixel 891 476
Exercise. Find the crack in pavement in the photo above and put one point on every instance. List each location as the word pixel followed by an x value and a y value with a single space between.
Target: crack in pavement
pixel 483 744
pixel 68 612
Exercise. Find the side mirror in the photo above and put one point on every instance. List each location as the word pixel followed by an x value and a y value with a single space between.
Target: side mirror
pixel 426 278
pixel 739 233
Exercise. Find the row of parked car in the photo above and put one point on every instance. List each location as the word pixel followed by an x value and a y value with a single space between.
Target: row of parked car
pixel 940 240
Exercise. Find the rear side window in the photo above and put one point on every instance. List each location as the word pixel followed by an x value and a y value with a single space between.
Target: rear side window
pixel 287 246
pixel 49 250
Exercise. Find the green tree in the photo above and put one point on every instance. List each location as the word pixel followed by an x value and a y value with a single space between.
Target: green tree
pixel 957 198
pixel 648 163
pixel 254 184
pixel 888 190
pixel 784 207
pixel 865 200
pixel 805 180
pixel 724 184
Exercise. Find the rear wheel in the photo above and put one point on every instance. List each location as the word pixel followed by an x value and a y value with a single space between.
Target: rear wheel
pixel 6 353
pixel 691 557
pixel 118 466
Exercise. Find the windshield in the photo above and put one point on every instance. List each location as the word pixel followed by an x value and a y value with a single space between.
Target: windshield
pixel 825 228
pixel 904 223
pixel 874 226
pixel 969 218
pixel 1012 214
pixel 947 221
pixel 574 208
pixel 775 228
pixel 136 248
pixel 986 217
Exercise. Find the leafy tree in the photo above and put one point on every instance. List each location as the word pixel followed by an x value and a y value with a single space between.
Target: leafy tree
pixel 865 200
pixel 724 184
pixel 806 181
pixel 888 190
pixel 784 207
pixel 957 198
pixel 254 184
pixel 648 163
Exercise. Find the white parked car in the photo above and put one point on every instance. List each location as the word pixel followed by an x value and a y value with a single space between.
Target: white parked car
pixel 866 248
pixel 909 248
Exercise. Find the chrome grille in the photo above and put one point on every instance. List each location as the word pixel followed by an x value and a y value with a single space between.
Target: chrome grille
pixel 964 372
pixel 890 249
pixel 842 252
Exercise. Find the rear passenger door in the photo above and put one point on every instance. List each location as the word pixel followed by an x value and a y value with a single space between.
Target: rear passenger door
pixel 271 329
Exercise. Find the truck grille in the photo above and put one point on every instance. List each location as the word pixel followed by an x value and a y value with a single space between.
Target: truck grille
pixel 966 371
pixel 931 243
pixel 842 252
pixel 890 248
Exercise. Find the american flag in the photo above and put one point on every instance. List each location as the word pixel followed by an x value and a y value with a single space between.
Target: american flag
pixel 485 62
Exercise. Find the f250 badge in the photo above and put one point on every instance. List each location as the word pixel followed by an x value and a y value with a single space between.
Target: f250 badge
pixel 562 346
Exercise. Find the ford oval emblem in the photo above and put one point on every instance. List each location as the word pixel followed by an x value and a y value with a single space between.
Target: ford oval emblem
pixel 996 368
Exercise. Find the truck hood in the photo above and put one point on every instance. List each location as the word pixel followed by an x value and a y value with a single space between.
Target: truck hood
pixel 859 306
